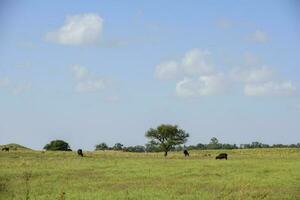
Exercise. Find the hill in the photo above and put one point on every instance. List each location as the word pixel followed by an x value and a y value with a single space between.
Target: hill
pixel 13 146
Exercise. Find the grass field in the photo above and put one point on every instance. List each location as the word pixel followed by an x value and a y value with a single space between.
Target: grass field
pixel 248 174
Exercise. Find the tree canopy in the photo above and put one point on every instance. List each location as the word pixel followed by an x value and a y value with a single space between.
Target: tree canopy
pixel 118 147
pixel 101 146
pixel 57 145
pixel 167 136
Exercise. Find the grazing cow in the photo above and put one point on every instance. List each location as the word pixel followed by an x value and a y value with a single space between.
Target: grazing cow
pixel 221 156
pixel 5 149
pixel 79 152
pixel 186 153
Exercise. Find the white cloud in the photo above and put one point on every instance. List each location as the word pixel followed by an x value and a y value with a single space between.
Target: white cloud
pixel 199 78
pixel 84 29
pixel 262 81
pixel 86 81
pixel 260 36
pixel 90 85
pixel 258 75
pixel 252 75
pixel 203 86
pixel 196 62
pixel 286 88
pixel 167 70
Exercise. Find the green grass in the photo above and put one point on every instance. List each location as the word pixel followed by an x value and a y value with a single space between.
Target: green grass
pixel 248 174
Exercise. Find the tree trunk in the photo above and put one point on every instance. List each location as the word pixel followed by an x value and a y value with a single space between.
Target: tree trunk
pixel 166 153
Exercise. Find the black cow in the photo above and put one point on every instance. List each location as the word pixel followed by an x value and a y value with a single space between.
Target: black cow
pixel 221 156
pixel 5 149
pixel 79 152
pixel 186 153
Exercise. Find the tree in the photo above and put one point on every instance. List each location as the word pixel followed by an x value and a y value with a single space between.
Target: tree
pixel 118 147
pixel 102 146
pixel 214 144
pixel 167 137
pixel 57 145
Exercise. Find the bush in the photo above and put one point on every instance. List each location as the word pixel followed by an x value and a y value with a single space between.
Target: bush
pixel 57 145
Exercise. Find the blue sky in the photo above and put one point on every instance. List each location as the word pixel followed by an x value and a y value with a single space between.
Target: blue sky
pixel 106 71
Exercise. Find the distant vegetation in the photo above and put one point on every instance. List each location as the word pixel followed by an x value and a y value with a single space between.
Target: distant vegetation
pixel 213 144
pixel 57 145
pixel 164 138
pixel 102 146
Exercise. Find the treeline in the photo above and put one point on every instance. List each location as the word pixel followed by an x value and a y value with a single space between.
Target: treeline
pixel 60 145
pixel 165 138
pixel 213 144
pixel 120 147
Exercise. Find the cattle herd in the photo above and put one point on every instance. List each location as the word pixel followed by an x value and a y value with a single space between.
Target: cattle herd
pixel 185 152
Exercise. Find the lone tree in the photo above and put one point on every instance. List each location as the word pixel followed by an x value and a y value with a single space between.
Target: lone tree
pixel 102 146
pixel 167 136
pixel 57 145
pixel 214 144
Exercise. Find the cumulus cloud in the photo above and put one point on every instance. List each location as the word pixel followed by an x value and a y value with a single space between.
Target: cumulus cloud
pixel 86 81
pixel 260 37
pixel 202 86
pixel 83 29
pixel 196 62
pixel 196 77
pixel 195 74
pixel 167 70
pixel 250 75
pixel 270 89
pixel 261 81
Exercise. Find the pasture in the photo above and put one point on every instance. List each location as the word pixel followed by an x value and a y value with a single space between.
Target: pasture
pixel 247 174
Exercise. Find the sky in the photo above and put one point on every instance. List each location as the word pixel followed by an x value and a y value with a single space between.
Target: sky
pixel 106 71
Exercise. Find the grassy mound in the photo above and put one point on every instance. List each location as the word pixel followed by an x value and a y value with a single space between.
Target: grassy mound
pixel 13 146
